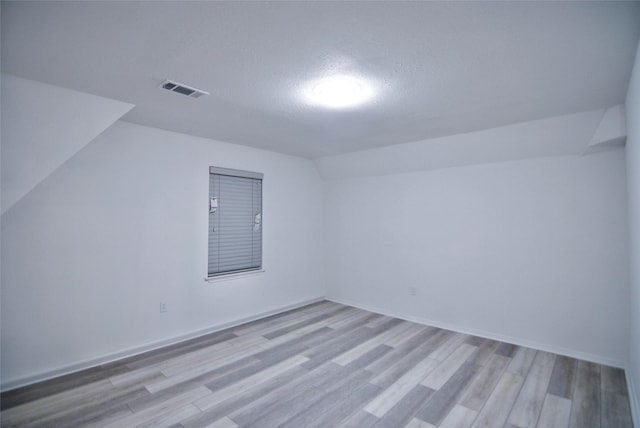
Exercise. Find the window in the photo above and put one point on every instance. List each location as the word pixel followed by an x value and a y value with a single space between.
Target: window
pixel 235 221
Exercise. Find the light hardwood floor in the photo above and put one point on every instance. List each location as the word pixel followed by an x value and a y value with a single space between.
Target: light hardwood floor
pixel 330 365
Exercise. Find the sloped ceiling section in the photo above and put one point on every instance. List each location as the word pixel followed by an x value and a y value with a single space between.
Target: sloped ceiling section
pixel 567 135
pixel 611 132
pixel 42 127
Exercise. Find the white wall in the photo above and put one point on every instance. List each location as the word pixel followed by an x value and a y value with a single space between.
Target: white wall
pixel 90 253
pixel 531 251
pixel 633 183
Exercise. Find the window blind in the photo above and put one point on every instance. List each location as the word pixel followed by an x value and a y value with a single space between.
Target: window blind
pixel 235 228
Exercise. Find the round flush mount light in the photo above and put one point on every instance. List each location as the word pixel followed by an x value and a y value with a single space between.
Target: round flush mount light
pixel 338 92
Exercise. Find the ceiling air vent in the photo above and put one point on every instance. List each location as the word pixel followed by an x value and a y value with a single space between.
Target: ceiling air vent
pixel 172 86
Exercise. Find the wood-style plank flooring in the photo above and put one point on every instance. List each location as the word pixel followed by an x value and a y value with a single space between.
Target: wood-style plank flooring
pixel 330 365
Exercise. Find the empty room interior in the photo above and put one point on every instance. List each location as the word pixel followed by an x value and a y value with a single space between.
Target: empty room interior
pixel 320 214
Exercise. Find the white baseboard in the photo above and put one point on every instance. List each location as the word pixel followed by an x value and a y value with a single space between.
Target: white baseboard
pixel 130 352
pixel 634 399
pixel 489 335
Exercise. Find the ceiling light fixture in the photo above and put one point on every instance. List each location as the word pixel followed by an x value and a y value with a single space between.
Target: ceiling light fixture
pixel 338 92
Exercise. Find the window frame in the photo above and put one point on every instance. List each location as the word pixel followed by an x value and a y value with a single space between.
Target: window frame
pixel 235 177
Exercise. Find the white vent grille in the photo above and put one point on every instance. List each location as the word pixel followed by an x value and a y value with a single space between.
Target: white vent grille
pixel 172 86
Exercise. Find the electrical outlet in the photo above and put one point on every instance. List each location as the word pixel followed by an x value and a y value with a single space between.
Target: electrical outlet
pixel 412 291
pixel 163 307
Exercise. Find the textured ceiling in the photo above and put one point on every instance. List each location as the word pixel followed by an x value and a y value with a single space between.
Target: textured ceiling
pixel 440 68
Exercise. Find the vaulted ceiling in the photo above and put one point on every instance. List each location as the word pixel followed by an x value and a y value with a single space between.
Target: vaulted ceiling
pixel 437 68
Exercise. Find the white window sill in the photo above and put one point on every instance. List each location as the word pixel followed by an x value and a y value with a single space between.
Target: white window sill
pixel 231 276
